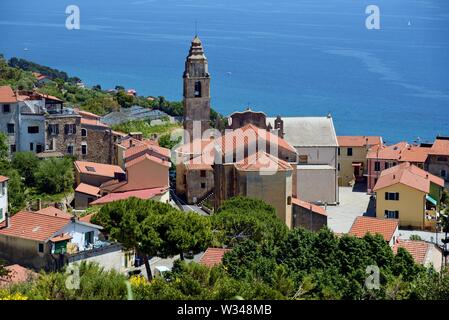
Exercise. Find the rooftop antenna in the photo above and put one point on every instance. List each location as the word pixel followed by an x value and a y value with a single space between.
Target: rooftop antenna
pixel 196 28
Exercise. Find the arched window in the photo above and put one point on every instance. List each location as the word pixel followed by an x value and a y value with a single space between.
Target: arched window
pixel 83 133
pixel 84 148
pixel 198 89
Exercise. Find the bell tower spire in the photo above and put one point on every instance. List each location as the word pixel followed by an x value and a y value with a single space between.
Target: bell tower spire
pixel 196 92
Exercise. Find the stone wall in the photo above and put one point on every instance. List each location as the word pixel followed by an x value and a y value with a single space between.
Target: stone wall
pixel 308 219
pixel 59 142
pixel 99 142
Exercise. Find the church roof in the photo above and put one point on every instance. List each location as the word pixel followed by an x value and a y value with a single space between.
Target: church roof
pixel 196 50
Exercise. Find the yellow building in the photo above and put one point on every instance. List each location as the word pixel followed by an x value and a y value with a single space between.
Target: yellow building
pixel 352 162
pixel 409 194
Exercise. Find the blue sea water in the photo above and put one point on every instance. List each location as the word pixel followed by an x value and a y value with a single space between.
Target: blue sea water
pixel 288 57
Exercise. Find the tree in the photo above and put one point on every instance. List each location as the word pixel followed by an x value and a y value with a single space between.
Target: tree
pixel 186 232
pixel 153 228
pixel 54 176
pixel 243 218
pixel 17 192
pixel 25 163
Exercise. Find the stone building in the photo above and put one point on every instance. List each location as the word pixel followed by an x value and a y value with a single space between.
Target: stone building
pixel 196 92
pixel 308 216
pixel 63 133
pixel 261 176
pixel 240 119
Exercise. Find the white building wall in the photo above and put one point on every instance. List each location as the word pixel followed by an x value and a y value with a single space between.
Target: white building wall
pixel 35 138
pixel 78 231
pixel 11 117
pixel 317 185
pixel 3 200
pixel 319 155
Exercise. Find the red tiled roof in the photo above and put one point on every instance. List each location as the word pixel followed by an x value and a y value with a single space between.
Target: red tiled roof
pixel 147 157
pixel 440 147
pixel 309 206
pixel 358 141
pixel 418 249
pixel 61 237
pixel 261 161
pixel 33 226
pixel 88 189
pixel 213 256
pixel 100 169
pixel 145 194
pixel 250 134
pixel 93 122
pixel 401 151
pixel 54 212
pixel 7 95
pixel 364 225
pixel 198 166
pixel 87 218
pixel 86 114
pixel 153 150
pixel 17 274
pixel 409 175
pixel 3 179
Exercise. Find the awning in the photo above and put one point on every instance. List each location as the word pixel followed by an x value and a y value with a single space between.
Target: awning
pixel 431 200
pixel 357 164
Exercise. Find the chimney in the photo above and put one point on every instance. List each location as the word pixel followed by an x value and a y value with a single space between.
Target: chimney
pixel 7 220
pixel 39 204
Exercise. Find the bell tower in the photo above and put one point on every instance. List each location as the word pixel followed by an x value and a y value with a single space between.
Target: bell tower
pixel 196 92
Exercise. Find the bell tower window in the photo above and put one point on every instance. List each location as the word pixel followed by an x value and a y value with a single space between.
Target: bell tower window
pixel 198 89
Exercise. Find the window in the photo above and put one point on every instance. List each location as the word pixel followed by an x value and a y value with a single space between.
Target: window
pixel 31 146
pixel 392 196
pixel 83 132
pixel 387 165
pixel 339 151
pixel 84 149
pixel 338 167
pixel 391 214
pixel 33 130
pixel 70 149
pixel 70 129
pixel 40 248
pixel 39 148
pixel 289 200
pixel 90 169
pixel 303 159
pixel 6 108
pixel 203 185
pixel 349 152
pixel 198 89
pixel 443 173
pixel 203 173
pixel 442 159
pixel 89 238
pixel 53 129
pixel 11 128
pixel 12 148
pixel 377 166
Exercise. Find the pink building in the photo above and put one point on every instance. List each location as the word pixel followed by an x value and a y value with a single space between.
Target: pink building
pixel 384 157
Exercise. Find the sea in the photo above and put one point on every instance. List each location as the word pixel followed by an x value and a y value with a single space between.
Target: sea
pixel 282 57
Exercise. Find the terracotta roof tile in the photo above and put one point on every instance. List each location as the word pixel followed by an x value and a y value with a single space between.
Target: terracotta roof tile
pixel 147 157
pixel 98 169
pixel 262 161
pixel 93 122
pixel 309 206
pixel 17 274
pixel 364 225
pixel 88 189
pixel 54 212
pixel 440 147
pixel 87 218
pixel 409 175
pixel 145 194
pixel 7 95
pixel 143 148
pixel 401 151
pixel 418 249
pixel 358 141
pixel 61 237
pixel 33 226
pixel 3 179
pixel 213 256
